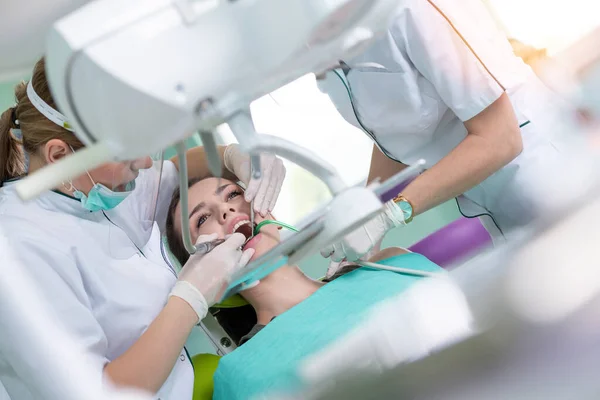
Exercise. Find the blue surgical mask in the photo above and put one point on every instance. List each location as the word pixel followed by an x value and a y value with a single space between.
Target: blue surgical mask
pixel 102 198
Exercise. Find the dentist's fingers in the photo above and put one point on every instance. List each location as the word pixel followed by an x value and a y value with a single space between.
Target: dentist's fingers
pixel 234 241
pixel 267 172
pixel 277 185
pixel 270 192
pixel 246 257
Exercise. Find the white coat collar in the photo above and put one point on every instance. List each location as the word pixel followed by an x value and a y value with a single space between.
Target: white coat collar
pixel 51 200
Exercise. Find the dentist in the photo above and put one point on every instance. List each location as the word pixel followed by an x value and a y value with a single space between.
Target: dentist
pixel 107 282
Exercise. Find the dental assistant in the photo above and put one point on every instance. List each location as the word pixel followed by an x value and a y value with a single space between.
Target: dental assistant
pixel 85 246
pixel 444 85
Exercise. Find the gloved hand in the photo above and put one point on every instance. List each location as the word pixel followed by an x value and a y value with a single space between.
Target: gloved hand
pixel 204 277
pixel 357 244
pixel 265 190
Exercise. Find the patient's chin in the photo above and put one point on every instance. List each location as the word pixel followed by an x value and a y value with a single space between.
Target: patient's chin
pixel 265 245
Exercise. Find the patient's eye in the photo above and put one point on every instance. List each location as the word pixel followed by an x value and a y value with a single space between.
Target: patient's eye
pixel 202 220
pixel 234 194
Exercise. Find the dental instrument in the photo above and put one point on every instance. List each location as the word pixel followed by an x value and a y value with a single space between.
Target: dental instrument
pixel 253 164
pixel 207 247
pixel 406 271
pixel 252 218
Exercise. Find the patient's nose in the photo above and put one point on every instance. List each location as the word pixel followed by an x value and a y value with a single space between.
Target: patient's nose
pixel 227 213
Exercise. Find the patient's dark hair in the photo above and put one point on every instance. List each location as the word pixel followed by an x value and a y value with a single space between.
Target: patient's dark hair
pixel 174 238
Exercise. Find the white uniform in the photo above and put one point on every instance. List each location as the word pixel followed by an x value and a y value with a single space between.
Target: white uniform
pixel 104 288
pixel 413 88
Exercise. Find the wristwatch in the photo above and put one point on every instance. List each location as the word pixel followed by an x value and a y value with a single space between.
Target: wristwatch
pixel 406 206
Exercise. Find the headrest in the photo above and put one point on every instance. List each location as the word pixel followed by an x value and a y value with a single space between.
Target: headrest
pixel 232 302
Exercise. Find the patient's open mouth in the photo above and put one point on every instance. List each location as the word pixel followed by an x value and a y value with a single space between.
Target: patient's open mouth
pixel 245 228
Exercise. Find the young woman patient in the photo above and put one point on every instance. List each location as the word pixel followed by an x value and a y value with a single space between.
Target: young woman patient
pixel 295 315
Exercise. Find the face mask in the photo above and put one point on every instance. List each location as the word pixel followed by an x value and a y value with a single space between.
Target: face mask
pixel 102 198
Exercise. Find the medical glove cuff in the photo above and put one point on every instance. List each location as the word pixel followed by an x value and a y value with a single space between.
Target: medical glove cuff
pixel 191 295
pixel 393 215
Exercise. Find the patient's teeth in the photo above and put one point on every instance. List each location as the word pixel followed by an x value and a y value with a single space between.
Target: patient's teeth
pixel 237 225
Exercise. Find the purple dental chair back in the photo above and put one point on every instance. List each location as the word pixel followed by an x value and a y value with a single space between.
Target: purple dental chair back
pixel 454 242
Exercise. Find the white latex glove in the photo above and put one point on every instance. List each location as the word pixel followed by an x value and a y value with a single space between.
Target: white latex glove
pixel 358 243
pixel 205 277
pixel 265 190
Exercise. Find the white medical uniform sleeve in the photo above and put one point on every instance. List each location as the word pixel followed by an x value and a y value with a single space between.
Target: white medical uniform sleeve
pixel 58 280
pixel 440 55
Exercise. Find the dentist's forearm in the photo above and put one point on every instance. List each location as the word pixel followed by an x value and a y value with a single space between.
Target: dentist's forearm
pixel 147 364
pixel 198 165
pixel 494 139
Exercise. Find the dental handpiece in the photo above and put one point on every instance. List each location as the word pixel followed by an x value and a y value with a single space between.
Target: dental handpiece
pixel 252 217
pixel 207 247
pixel 255 173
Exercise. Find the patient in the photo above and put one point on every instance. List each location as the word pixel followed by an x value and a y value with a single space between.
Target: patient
pixel 295 315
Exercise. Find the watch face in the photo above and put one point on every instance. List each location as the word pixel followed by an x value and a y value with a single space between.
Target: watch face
pixel 406 209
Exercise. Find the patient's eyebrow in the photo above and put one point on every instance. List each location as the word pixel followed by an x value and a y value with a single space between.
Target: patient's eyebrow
pixel 197 208
pixel 221 188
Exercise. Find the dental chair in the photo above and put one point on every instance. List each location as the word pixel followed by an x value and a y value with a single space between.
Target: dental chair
pixel 450 245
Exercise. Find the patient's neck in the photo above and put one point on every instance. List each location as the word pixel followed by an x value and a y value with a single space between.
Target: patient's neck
pixel 278 292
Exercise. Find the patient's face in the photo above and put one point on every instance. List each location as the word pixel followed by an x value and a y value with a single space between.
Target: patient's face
pixel 222 209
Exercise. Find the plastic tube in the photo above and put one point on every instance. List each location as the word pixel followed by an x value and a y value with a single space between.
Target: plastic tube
pixel 400 270
pixel 273 222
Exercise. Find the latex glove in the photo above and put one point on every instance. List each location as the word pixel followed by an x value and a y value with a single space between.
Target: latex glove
pixel 205 277
pixel 357 244
pixel 265 190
